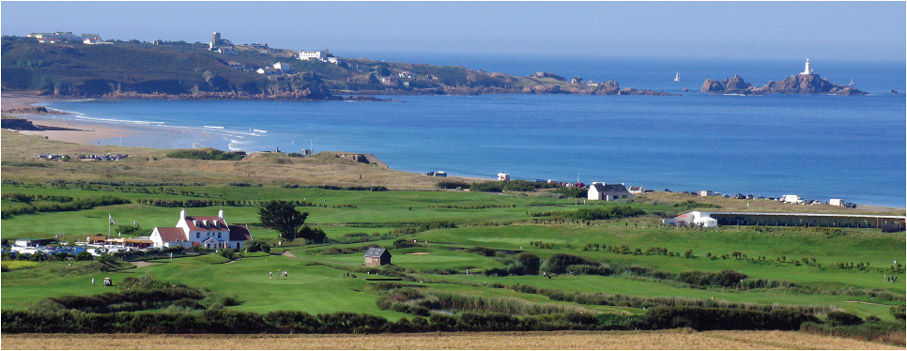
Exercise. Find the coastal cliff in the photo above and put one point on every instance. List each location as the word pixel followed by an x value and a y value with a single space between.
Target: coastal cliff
pixel 180 70
pixel 795 84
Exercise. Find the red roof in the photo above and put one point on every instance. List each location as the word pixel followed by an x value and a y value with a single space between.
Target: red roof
pixel 221 224
pixel 239 233
pixel 171 234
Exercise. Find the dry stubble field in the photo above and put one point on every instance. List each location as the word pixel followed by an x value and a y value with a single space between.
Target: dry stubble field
pixel 649 340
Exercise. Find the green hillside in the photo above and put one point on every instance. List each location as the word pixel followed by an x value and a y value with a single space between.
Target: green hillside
pixel 179 69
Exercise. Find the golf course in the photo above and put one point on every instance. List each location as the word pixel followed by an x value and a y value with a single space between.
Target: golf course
pixel 538 255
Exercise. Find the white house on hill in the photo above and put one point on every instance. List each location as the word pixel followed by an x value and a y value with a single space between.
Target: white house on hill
pixel 209 232
pixel 608 192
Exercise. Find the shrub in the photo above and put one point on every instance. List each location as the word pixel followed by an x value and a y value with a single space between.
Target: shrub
pixel 705 318
pixel 207 154
pixel 312 235
pixel 452 185
pixel 530 261
pixel 84 256
pixel 898 312
pixel 574 192
pixel 228 253
pixel 844 318
pixel 559 263
pixel 725 278
pixel 257 246
pixel 487 187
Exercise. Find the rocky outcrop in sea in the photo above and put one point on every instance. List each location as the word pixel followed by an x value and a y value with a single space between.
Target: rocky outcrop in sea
pixel 796 84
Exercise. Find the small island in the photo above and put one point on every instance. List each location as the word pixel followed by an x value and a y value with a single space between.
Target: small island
pixel 806 82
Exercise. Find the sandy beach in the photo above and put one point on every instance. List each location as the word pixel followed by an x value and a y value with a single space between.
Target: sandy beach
pixel 79 132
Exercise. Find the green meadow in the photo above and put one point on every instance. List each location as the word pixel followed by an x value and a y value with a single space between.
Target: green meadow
pixel 488 232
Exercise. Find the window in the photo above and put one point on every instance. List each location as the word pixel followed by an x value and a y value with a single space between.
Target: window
pixel 197 235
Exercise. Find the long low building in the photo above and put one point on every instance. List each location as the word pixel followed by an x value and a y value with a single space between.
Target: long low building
pixel 794 219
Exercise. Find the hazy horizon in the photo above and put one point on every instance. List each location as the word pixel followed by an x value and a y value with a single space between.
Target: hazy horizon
pixel 859 31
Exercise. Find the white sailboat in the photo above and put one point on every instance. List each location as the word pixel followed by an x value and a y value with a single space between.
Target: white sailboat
pixel 851 82
pixel 677 77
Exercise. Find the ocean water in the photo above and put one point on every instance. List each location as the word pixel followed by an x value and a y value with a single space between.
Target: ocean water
pixel 819 147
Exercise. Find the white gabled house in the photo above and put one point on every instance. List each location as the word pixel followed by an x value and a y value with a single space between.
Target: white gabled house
pixel 608 192
pixel 208 232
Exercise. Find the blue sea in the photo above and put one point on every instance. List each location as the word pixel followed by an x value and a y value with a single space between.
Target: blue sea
pixel 818 147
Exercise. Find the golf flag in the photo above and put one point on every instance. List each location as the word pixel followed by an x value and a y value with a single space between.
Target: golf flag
pixel 111 219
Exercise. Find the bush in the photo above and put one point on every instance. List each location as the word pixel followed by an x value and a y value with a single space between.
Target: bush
pixel 559 263
pixel 705 318
pixel 452 185
pixel 257 246
pixel 228 253
pixel 207 154
pixel 530 261
pixel 487 187
pixel 844 318
pixel 312 235
pixel 725 278
pixel 574 192
pixel 84 256
pixel 619 211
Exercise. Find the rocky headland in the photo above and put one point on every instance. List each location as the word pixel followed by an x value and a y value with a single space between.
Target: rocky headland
pixel 795 84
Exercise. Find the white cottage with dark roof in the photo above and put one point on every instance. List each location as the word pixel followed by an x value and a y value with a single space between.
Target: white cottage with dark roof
pixel 208 232
pixel 608 192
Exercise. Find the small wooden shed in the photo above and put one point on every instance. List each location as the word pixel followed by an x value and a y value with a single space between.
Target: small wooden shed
pixel 377 256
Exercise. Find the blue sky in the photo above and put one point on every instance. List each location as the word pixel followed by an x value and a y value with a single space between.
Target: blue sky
pixel 830 30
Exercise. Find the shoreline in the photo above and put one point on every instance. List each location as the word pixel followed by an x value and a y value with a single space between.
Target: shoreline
pixel 105 132
pixel 93 132
pixel 72 131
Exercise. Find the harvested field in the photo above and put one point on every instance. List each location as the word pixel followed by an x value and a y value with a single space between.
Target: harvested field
pixel 652 340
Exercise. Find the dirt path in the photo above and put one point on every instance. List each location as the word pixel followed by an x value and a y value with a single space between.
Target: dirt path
pixel 289 254
pixel 638 340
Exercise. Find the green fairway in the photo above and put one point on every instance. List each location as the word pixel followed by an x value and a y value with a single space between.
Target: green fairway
pixel 489 232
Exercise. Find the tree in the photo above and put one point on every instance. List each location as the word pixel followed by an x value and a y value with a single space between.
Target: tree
pixel 283 217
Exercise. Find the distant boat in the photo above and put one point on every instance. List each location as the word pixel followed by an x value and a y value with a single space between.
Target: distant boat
pixel 677 77
pixel 851 82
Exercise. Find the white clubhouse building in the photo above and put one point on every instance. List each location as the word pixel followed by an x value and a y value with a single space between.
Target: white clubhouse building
pixel 208 232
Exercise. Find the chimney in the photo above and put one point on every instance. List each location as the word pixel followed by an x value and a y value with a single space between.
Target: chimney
pixel 623 184
pixel 182 214
pixel 220 214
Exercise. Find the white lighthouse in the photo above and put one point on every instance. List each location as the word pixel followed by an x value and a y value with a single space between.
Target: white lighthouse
pixel 807 70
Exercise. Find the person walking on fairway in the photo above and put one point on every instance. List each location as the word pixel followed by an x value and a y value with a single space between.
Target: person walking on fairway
pixel 270 275
pixel 92 281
